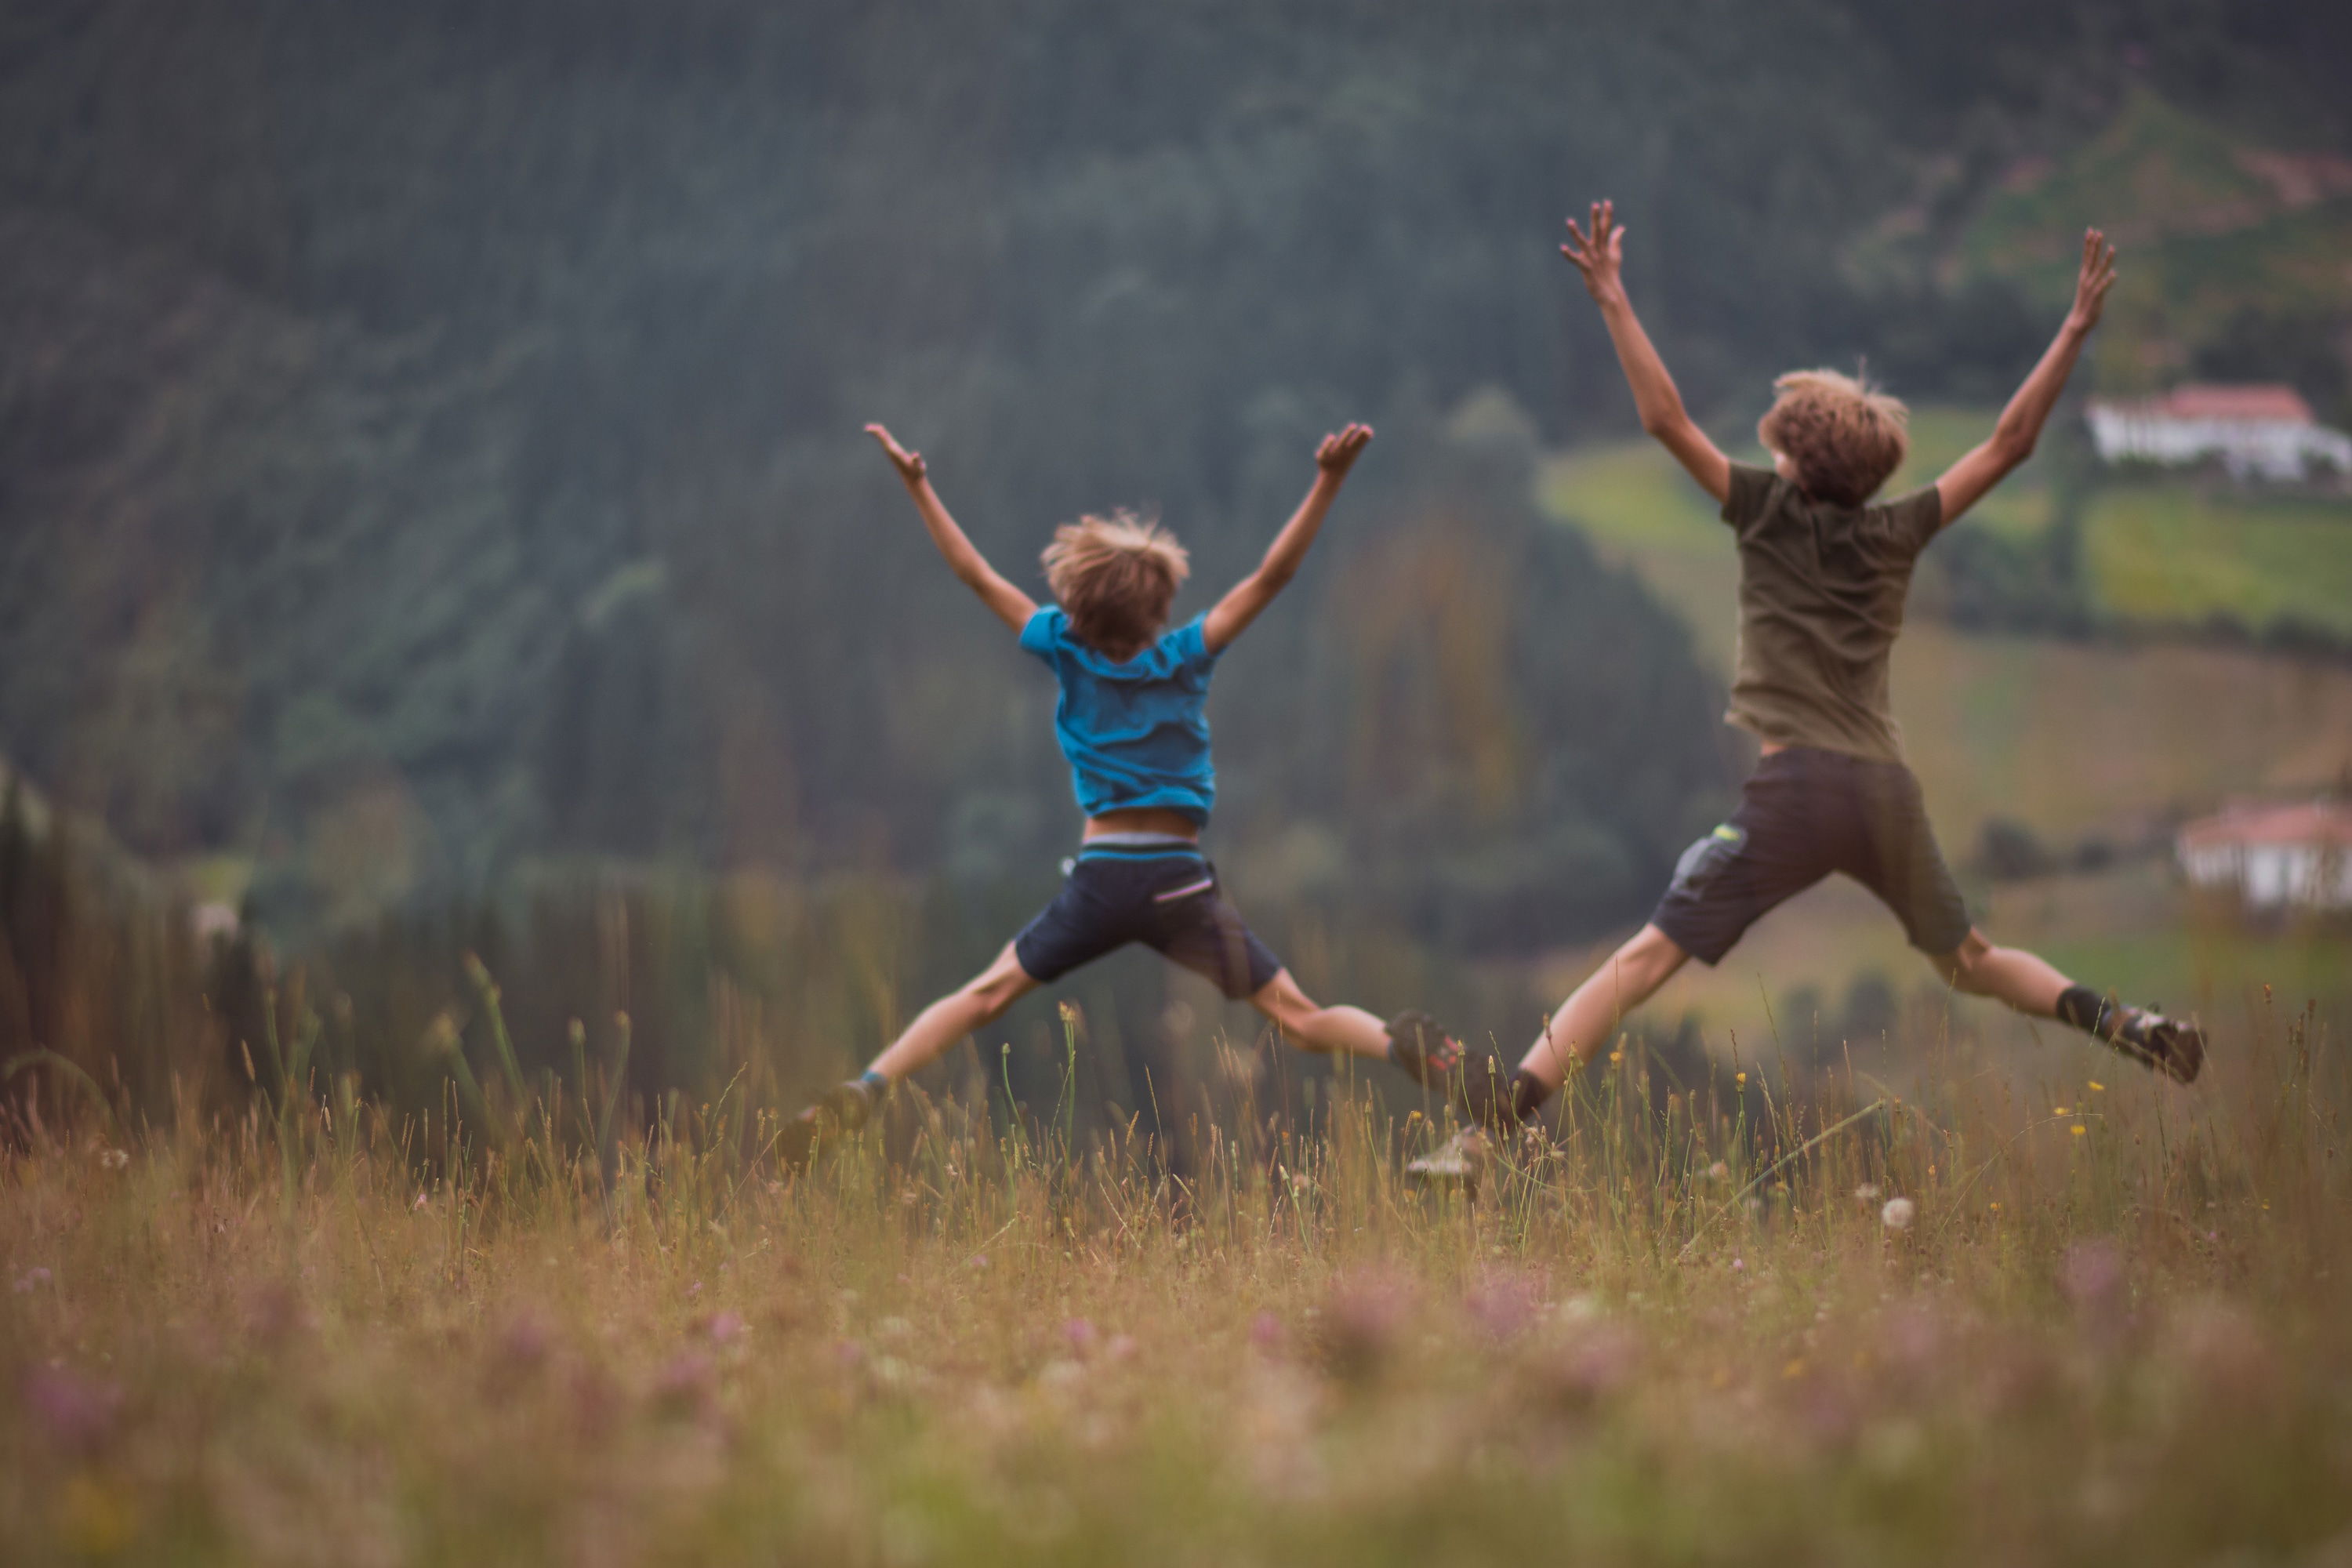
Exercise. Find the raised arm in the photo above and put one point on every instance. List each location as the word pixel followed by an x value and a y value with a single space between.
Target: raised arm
pixel 1254 593
pixel 1601 257
pixel 1964 482
pixel 1012 606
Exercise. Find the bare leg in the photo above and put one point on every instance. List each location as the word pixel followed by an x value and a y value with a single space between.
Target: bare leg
pixel 940 1026
pixel 1588 1018
pixel 1319 1029
pixel 2009 974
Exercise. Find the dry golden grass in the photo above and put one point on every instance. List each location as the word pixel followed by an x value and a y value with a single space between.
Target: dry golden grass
pixel 2110 1328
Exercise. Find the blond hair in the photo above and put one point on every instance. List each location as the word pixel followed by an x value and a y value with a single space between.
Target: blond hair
pixel 1844 437
pixel 1116 577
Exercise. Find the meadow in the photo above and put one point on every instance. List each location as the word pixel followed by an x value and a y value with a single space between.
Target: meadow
pixel 2160 553
pixel 1774 1317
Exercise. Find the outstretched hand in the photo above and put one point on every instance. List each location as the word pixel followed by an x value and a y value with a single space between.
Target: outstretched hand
pixel 1337 454
pixel 908 464
pixel 2092 283
pixel 1599 255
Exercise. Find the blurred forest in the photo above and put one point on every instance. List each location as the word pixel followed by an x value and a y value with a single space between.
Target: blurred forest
pixel 429 453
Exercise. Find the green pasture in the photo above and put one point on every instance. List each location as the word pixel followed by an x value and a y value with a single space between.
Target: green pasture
pixel 2186 553
pixel 2156 552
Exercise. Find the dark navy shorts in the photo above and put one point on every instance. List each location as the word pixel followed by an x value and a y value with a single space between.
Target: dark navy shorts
pixel 1164 896
pixel 1803 815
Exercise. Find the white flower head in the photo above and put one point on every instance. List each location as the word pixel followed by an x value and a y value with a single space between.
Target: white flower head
pixel 1898 1214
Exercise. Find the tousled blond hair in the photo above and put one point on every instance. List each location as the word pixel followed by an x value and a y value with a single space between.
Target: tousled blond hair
pixel 1116 577
pixel 1843 436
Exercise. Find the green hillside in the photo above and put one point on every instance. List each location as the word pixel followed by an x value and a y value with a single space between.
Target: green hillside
pixel 430 434
pixel 2085 736
pixel 2219 235
pixel 2160 554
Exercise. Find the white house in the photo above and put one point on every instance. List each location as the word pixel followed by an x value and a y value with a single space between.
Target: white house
pixel 2273 857
pixel 2257 432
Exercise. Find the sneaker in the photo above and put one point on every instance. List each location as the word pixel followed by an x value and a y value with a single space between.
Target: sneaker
pixel 1462 1161
pixel 2147 1037
pixel 1424 1051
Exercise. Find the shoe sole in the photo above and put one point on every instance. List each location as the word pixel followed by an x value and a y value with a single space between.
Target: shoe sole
pixel 2172 1065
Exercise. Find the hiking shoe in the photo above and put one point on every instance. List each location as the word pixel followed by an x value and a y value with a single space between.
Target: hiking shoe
pixel 1462 1161
pixel 2169 1045
pixel 1424 1051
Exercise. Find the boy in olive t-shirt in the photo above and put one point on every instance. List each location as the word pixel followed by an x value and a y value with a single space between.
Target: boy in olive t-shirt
pixel 1822 576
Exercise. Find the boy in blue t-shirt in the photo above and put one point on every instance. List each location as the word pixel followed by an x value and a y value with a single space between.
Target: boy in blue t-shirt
pixel 1129 721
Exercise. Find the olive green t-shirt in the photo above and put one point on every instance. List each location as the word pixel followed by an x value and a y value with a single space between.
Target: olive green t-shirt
pixel 1821 600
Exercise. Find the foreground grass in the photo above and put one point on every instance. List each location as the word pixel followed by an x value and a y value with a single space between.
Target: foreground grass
pixel 2107 1330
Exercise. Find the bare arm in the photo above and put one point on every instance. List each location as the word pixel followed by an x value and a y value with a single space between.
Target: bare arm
pixel 1012 606
pixel 1254 593
pixel 1964 482
pixel 1601 257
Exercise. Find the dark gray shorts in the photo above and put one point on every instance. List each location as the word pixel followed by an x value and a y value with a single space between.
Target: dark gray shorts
pixel 1803 815
pixel 1166 898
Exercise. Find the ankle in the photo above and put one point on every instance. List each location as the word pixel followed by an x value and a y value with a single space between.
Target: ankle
pixel 1499 1105
pixel 2081 1008
pixel 1529 1093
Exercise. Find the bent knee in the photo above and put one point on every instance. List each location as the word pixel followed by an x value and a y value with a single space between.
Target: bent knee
pixel 992 994
pixel 1288 1009
pixel 1648 957
pixel 1964 968
pixel 1296 1021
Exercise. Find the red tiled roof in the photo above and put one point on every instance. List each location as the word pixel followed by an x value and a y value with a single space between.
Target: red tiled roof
pixel 2278 402
pixel 2315 822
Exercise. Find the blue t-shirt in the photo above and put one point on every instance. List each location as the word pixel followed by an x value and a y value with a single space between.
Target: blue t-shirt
pixel 1133 731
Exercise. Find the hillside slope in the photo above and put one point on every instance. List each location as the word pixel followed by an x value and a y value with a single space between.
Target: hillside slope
pixel 430 440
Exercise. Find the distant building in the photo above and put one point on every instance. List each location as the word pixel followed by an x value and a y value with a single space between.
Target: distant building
pixel 2256 432
pixel 2273 857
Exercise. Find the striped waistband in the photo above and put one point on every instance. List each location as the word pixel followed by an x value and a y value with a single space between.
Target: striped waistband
pixel 1140 847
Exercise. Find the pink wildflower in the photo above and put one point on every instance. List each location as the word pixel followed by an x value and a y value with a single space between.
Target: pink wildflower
pixel 1360 1322
pixel 1503 1306
pixel 686 1383
pixel 77 1412
pixel 1595 1365
pixel 2092 1278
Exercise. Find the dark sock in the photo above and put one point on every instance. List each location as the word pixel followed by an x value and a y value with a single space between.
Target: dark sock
pixel 1527 1094
pixel 2084 1009
pixel 1499 1104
